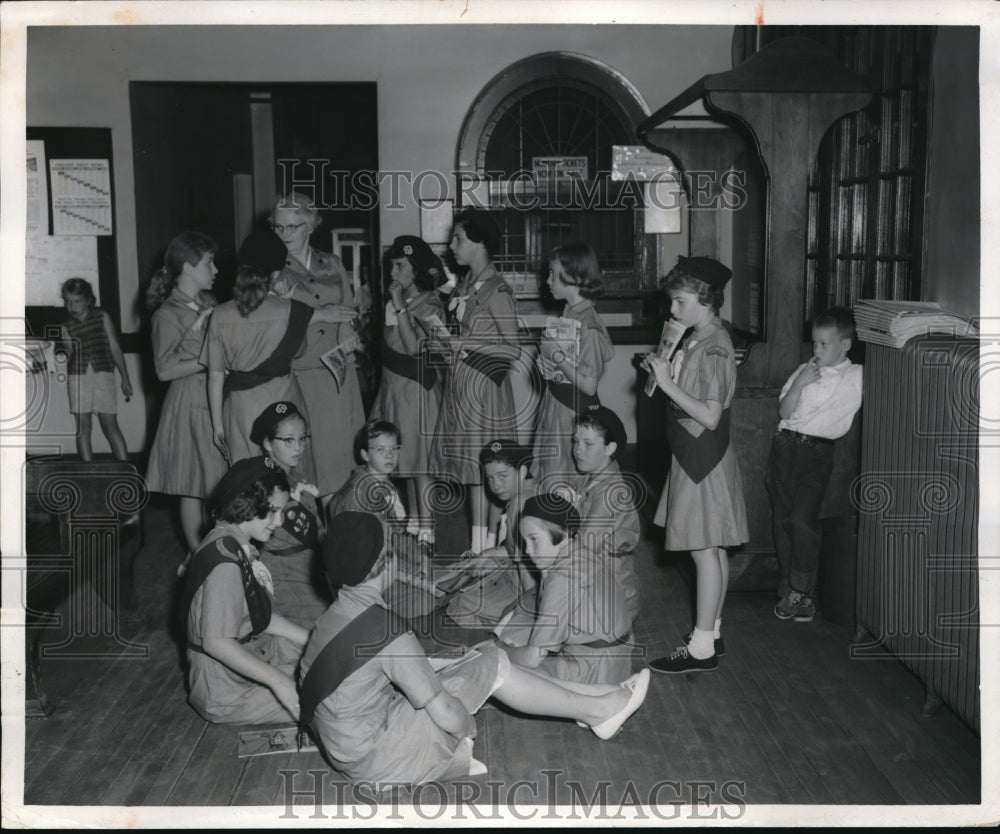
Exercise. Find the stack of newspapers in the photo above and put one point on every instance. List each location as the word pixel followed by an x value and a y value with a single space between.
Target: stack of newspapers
pixel 894 323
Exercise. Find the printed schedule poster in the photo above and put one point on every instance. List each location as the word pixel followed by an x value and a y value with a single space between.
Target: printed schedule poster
pixel 37 219
pixel 81 196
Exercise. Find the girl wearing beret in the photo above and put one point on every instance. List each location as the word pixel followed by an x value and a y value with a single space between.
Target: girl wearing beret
pixel 573 371
pixel 318 279
pixel 250 344
pixel 702 507
pixel 478 402
pixel 609 523
pixel 582 631
pixel 389 716
pixel 183 460
pixel 241 654
pixel 291 554
pixel 507 577
pixel 410 393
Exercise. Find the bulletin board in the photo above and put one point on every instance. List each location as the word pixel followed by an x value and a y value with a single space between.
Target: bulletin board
pixel 71 228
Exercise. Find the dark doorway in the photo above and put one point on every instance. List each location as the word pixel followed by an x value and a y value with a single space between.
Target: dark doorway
pixel 212 156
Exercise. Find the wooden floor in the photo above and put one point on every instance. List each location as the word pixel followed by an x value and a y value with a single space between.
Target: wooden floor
pixel 788 718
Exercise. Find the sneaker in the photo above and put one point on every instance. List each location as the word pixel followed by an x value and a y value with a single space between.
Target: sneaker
pixel 719 645
pixel 806 612
pixel 680 661
pixel 796 606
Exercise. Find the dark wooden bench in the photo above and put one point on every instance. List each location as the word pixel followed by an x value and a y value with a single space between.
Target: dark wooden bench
pixel 83 529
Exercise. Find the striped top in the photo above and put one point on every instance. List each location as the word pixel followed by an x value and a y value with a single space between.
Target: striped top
pixel 91 348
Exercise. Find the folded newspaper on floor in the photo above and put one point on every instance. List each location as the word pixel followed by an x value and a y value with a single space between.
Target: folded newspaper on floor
pixel 276 738
pixel 894 323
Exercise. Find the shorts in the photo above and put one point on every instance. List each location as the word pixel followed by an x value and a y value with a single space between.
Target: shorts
pixel 94 391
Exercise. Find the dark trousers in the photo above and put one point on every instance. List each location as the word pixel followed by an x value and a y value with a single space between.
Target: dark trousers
pixel 797 477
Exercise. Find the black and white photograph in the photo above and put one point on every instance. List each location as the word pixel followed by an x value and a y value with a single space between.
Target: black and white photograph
pixel 469 414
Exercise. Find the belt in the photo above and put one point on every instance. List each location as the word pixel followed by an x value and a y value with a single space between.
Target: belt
pixel 809 439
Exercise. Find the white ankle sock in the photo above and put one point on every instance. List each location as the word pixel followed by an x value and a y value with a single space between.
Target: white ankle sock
pixel 478 538
pixel 491 540
pixel 701 645
pixel 718 629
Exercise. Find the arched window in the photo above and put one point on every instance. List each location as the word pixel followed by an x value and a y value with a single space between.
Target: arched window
pixel 537 145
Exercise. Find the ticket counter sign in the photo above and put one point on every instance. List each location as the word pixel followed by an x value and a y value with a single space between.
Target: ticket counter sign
pixel 549 169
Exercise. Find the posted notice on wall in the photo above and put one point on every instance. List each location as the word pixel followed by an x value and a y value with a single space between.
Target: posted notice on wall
pixel 38 192
pixel 81 196
pixel 50 260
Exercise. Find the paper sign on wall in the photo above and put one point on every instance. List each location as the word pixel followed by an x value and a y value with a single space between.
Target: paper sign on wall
pixel 50 260
pixel 37 218
pixel 81 196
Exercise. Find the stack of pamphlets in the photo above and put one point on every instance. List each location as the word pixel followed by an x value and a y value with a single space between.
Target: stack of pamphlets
pixel 894 323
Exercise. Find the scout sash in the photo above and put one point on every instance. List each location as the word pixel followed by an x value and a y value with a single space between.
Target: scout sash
pixel 350 649
pixel 572 397
pixel 495 368
pixel 217 551
pixel 698 455
pixel 407 366
pixel 280 361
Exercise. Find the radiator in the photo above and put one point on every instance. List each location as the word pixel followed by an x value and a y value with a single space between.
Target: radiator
pixel 918 503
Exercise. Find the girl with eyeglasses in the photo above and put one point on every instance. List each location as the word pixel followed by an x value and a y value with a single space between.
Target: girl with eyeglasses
pixel 370 490
pixel 318 278
pixel 291 554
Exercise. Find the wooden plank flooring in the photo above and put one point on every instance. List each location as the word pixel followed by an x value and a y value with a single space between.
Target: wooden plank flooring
pixel 788 718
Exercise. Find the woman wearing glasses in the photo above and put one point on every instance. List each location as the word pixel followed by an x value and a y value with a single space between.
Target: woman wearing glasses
pixel 318 278
pixel 291 554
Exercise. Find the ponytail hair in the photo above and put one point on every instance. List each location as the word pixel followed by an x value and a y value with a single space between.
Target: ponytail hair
pixel 187 248
pixel 250 288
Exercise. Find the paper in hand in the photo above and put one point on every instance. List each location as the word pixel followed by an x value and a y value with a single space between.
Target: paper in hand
pixel 564 336
pixel 670 338
pixel 337 359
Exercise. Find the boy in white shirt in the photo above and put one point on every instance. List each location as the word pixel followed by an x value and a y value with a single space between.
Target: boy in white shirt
pixel 816 406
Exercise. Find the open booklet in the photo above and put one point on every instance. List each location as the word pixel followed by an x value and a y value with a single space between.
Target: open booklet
pixel 564 335
pixel 339 357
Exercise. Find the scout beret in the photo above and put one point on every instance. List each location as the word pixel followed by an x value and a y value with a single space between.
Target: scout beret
pixel 354 541
pixel 604 416
pixel 704 269
pixel 505 450
pixel 415 250
pixel 240 478
pixel 552 508
pixel 267 421
pixel 264 251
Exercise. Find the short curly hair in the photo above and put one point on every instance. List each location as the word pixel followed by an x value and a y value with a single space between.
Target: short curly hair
pixel 679 279
pixel 254 501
